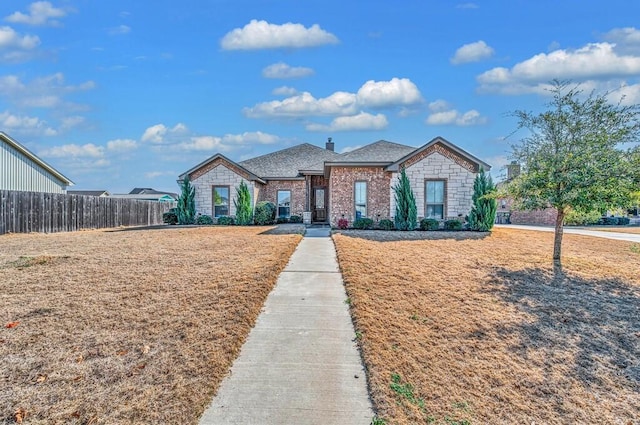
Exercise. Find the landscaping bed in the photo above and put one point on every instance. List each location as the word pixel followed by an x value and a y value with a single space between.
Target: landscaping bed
pixel 469 328
pixel 131 326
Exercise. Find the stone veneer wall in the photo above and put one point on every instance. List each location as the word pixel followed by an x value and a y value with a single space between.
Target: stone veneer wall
pixel 459 183
pixel 298 188
pixel 341 192
pixel 218 174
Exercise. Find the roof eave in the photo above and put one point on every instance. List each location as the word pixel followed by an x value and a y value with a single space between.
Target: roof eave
pixel 252 177
pixel 58 175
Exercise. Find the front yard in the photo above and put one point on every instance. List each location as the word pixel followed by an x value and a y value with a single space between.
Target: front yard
pixel 458 330
pixel 135 326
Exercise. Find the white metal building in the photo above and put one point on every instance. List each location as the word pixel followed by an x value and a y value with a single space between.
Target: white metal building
pixel 22 170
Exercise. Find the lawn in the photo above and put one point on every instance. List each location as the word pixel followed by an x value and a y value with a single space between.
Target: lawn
pixel 459 329
pixel 124 327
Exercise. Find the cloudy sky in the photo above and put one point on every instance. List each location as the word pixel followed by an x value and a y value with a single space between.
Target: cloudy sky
pixel 121 94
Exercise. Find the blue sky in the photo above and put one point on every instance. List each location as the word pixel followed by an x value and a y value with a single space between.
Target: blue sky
pixel 124 94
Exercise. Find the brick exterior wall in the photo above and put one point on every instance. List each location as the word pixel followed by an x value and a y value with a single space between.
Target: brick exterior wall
pixel 298 188
pixel 342 196
pixel 218 173
pixel 459 179
pixel 546 217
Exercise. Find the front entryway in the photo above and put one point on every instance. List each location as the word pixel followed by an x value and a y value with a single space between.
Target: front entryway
pixel 319 204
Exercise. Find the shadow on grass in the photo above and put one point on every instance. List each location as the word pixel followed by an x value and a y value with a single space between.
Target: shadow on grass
pixel 285 229
pixel 415 235
pixel 595 323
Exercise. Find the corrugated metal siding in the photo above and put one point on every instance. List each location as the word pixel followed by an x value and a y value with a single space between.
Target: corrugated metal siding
pixel 17 172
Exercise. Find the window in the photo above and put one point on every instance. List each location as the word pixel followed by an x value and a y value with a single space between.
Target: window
pixel 434 204
pixel 284 203
pixel 361 199
pixel 220 201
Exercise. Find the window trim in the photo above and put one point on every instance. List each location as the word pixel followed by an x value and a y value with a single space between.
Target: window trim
pixel 278 202
pixel 366 199
pixel 213 200
pixel 445 184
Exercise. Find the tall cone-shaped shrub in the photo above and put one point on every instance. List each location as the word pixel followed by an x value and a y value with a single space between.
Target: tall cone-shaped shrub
pixel 244 212
pixel 406 213
pixel 483 211
pixel 186 203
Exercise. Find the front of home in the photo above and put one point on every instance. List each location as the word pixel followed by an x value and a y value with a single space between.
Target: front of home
pixel 328 186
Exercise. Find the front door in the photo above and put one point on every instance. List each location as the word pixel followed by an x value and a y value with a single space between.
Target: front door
pixel 319 204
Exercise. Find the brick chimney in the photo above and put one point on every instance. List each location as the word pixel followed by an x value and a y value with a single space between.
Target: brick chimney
pixel 330 145
pixel 513 170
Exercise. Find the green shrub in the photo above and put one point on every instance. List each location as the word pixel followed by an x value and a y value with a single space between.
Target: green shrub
pixel 186 210
pixel 576 218
pixel 363 223
pixel 483 211
pixel 386 224
pixel 623 221
pixel 265 213
pixel 406 212
pixel 281 220
pixel 295 219
pixel 453 225
pixel 170 217
pixel 244 213
pixel 226 221
pixel 608 221
pixel 204 219
pixel 429 224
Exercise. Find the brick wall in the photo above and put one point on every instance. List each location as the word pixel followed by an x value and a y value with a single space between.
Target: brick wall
pixel 298 188
pixel 341 192
pixel 546 217
pixel 459 184
pixel 218 174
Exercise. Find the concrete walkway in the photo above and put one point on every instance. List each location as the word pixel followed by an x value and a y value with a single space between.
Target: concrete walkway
pixel 300 364
pixel 630 237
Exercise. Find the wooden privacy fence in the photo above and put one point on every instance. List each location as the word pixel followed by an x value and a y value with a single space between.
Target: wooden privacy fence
pixel 23 212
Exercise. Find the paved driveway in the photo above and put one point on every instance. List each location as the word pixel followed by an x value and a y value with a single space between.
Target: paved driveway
pixel 630 237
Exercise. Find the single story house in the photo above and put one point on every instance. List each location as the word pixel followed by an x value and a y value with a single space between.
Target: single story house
pixel 98 193
pixel 329 186
pixel 22 170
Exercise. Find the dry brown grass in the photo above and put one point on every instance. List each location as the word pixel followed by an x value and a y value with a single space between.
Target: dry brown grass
pixel 481 331
pixel 631 229
pixel 130 327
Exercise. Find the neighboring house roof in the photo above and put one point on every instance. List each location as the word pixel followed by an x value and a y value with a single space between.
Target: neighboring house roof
pixel 381 151
pixel 26 152
pixel 150 191
pixel 287 163
pixel 88 192
pixel 217 157
pixel 457 152
pixel 163 197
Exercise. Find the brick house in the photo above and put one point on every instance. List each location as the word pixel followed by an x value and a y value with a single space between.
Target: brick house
pixel 329 186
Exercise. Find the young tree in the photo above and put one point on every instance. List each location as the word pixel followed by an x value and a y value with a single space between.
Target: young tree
pixel 186 203
pixel 572 158
pixel 483 211
pixel 244 212
pixel 406 213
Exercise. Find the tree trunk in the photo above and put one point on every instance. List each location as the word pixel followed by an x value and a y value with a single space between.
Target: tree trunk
pixel 557 242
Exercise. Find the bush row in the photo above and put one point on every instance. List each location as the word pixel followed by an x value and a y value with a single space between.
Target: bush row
pixel 386 224
pixel 264 214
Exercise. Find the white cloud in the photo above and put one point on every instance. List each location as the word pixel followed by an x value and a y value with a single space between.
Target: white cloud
pixel 382 94
pixel 467 6
pixel 282 70
pixel 442 113
pixel 88 150
pixel 9 38
pixel 598 61
pixel 626 40
pixel 360 122
pixel 40 13
pixel 472 52
pixel 42 92
pixel 121 145
pixel 284 91
pixel 228 142
pixel 119 30
pixel 160 134
pixel 263 35
pixel 397 92
pixel 349 148
pixel 71 122
pixel 25 125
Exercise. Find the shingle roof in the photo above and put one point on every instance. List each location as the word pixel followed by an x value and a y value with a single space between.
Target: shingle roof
pixel 88 192
pixel 288 162
pixel 380 151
